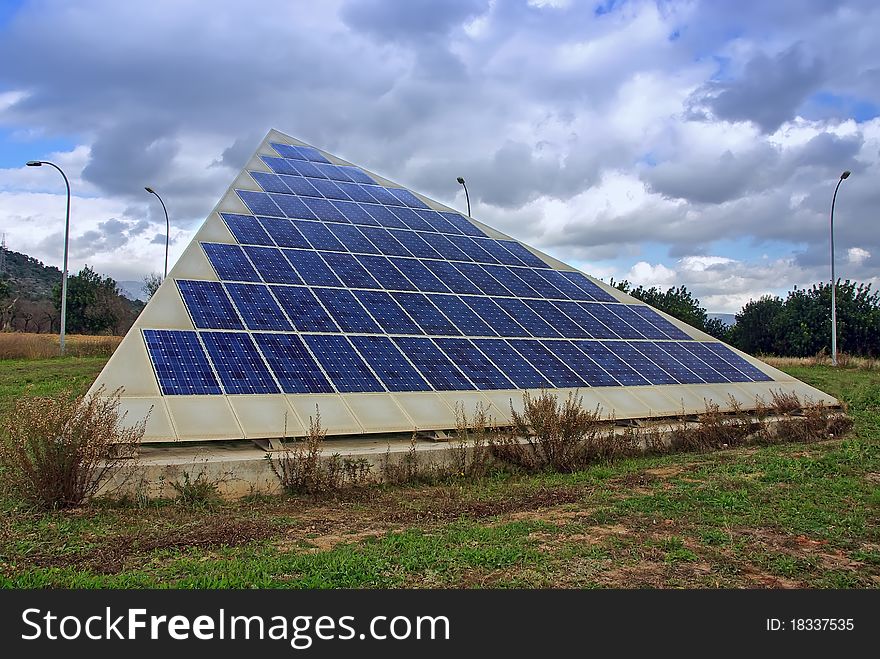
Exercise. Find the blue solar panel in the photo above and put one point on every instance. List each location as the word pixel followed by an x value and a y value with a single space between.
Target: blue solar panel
pixel 352 273
pixel 744 367
pixel 298 152
pixel 445 247
pixel 272 265
pixel 408 198
pixel 667 362
pixel 385 217
pixel 511 280
pixel 386 312
pixel 499 251
pixel 303 309
pixel 482 279
pixel 614 322
pixel 329 189
pixel 311 267
pixel 463 225
pixel 419 275
pixel 355 213
pixel 415 244
pixel 385 273
pixel 723 368
pixel 299 185
pixel 564 285
pixel 396 373
pixel 660 322
pixel 512 364
pixel 412 219
pixel 345 309
pixel 452 277
pixel 549 364
pixel 474 364
pixel 498 319
pixel 523 254
pixel 260 203
pixel 426 315
pixel 283 232
pixel 461 315
pixel 588 370
pixel 560 321
pixel 294 367
pixel 333 172
pixel 345 367
pixel 229 262
pixel 324 210
pixel 294 206
pixel 387 244
pixel 539 283
pixel 356 174
pixel 472 248
pixel 269 182
pixel 636 321
pixel 628 353
pixel 611 363
pixel 354 241
pixel 279 165
pixel 589 287
pixel 579 312
pixel 434 366
pixel 319 235
pixel 534 323
pixel 257 307
pixel 239 365
pixel 305 168
pixel 438 222
pixel 384 196
pixel 696 365
pixel 356 192
pixel 180 363
pixel 208 305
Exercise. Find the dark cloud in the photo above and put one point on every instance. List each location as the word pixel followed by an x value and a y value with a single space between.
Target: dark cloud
pixel 412 20
pixel 769 91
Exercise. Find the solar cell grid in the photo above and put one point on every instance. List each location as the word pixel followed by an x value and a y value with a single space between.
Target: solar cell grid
pixel 304 310
pixel 354 241
pixel 474 364
pixel 438 222
pixel 384 272
pixel 356 192
pixel 588 370
pixel 660 322
pixel 497 250
pixel 345 309
pixel 272 266
pixel 445 247
pixel 408 198
pixel 482 279
pixel 512 364
pixel 463 225
pixel 246 229
pixel 345 367
pixel 385 217
pixel 415 244
pixel 667 362
pixel 559 320
pixel 461 315
pixel 692 362
pixel 419 275
pixel 539 284
pixel 332 172
pixel 269 182
pixel 311 267
pixel 324 210
pixel 425 314
pixel 508 278
pixel 549 364
pixel 293 206
pixel 259 203
pixel 498 319
pixel 611 320
pixel 636 321
pixel 412 219
pixel 239 365
pixel 355 213
pixel 452 277
pixel 305 168
pixel 299 185
pixel 580 313
pixel 647 368
pixel 728 355
pixel 283 232
pixel 396 373
pixel 611 363
pixel 384 196
pixel 525 316
pixel 711 359
pixel 293 366
pixel 472 248
pixel 523 254
pixel 180 363
pixel 349 270
pixel 329 189
pixel 319 235
pixel 356 174
pixel 560 282
pixel 434 366
pixel 385 242
pixel 589 287
pixel 278 165
pixel 229 262
pixel 257 307
pixel 208 305
pixel 385 310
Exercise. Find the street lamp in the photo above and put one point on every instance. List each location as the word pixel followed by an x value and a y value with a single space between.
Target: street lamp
pixel 466 195
pixel 38 163
pixel 844 175
pixel 167 226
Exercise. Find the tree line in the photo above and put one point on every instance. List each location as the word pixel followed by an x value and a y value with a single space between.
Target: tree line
pixel 798 325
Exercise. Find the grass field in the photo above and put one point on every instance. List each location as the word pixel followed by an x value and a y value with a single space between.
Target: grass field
pixel 778 516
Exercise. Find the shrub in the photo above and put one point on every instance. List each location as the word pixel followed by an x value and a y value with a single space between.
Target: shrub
pixel 469 454
pixel 56 452
pixel 198 492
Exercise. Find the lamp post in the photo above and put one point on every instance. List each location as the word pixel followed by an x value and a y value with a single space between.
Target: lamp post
pixel 466 195
pixel 39 163
pixel 167 227
pixel 844 175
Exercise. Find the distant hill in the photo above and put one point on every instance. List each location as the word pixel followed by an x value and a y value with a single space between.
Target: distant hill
pixel 29 279
pixel 728 319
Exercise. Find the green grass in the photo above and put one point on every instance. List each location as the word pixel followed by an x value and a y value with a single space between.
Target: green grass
pixel 46 377
pixel 790 515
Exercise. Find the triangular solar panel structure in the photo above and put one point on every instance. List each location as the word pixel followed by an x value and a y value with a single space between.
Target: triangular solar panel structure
pixel 315 284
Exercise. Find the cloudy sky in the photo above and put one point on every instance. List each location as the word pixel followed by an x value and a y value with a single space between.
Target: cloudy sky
pixel 666 142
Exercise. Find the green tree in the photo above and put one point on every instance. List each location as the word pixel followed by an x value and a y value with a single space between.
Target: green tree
pixel 92 302
pixel 758 326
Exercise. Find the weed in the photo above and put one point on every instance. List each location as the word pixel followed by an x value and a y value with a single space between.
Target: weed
pixel 299 466
pixel 469 454
pixel 198 492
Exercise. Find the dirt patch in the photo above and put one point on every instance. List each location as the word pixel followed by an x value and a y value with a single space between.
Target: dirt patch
pixel 665 472
pixel 328 542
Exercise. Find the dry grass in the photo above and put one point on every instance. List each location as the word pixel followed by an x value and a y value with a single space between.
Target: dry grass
pixel 844 360
pixel 20 345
